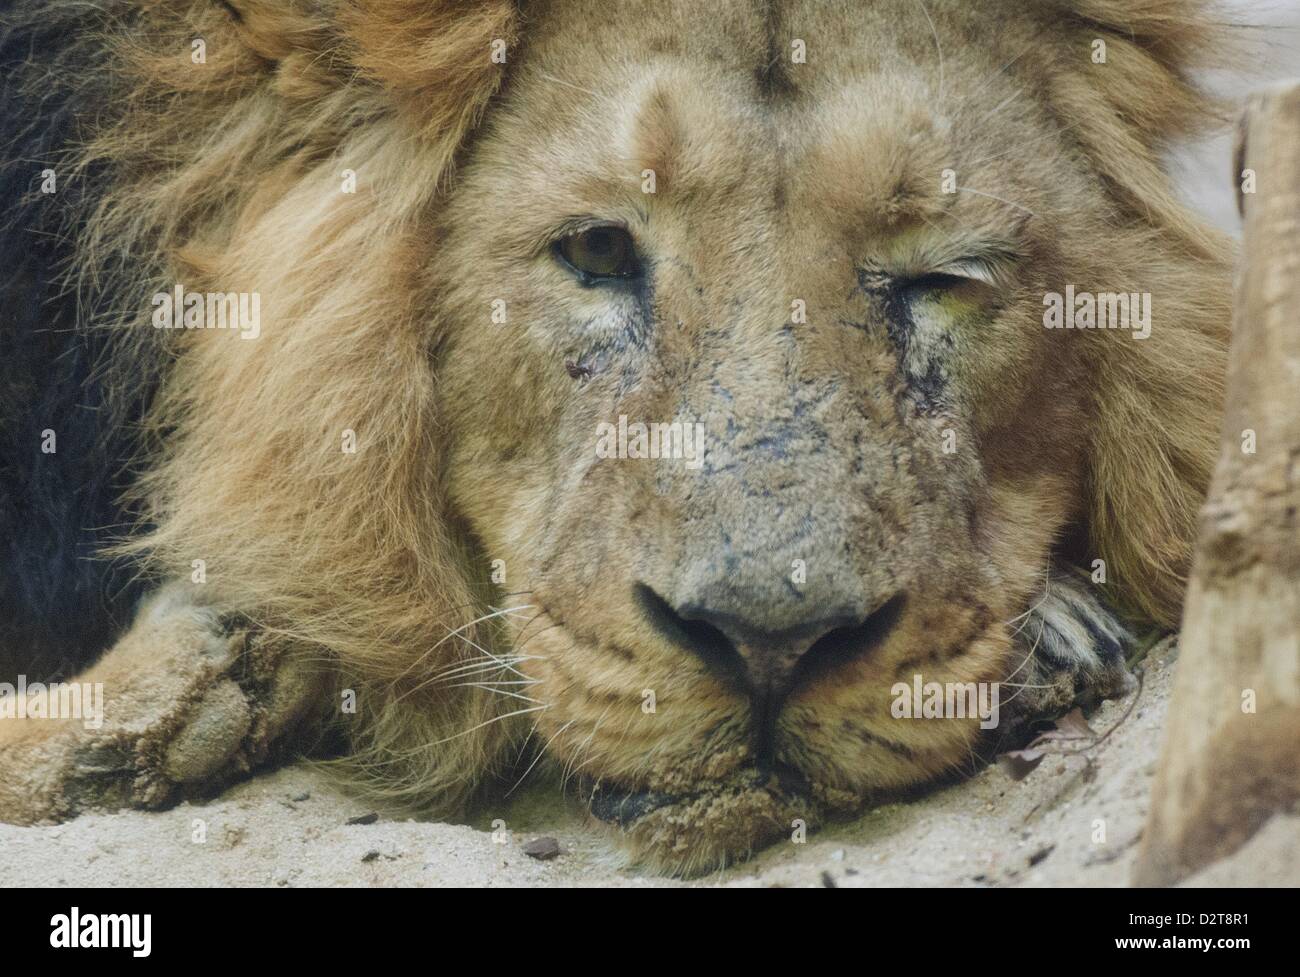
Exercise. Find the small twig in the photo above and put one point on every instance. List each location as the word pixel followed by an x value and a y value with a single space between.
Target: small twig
pixel 1141 680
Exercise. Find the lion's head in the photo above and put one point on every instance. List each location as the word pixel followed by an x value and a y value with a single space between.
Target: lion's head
pixel 816 236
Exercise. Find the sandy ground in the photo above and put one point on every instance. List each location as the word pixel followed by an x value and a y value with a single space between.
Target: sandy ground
pixel 1075 820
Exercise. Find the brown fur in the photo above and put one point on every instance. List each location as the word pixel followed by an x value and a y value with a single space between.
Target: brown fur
pixel 375 310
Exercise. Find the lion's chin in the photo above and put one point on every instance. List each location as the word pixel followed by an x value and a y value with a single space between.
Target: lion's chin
pixel 715 824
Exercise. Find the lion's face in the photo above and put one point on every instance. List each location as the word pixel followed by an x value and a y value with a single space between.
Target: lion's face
pixel 688 227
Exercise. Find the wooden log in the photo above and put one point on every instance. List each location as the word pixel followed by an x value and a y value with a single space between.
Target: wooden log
pixel 1231 758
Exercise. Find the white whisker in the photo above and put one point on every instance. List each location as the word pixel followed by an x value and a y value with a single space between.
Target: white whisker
pixel 540 754
pixel 453 633
pixel 996 74
pixel 937 46
pixel 488 722
pixel 1009 203
pixel 569 84
pixel 502 692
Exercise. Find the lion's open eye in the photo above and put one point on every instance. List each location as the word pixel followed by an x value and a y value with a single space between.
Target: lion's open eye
pixel 599 254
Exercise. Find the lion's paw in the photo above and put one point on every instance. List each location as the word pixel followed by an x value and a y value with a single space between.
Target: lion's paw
pixel 190 701
pixel 1073 648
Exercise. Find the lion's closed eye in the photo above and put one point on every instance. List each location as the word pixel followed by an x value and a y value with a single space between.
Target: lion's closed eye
pixel 936 287
pixel 971 281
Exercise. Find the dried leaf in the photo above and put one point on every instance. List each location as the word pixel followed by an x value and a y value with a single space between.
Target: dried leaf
pixel 1019 764
pixel 1073 726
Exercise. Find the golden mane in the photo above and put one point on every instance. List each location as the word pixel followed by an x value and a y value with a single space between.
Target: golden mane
pixel 234 170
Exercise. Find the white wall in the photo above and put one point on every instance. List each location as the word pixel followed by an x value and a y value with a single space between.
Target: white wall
pixel 1204 170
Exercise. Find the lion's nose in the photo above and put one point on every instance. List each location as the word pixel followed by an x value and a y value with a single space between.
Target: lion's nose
pixel 768 664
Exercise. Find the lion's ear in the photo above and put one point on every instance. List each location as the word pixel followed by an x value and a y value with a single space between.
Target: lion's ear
pixel 442 59
pixel 438 61
pixel 1179 35
pixel 1125 87
pixel 275 29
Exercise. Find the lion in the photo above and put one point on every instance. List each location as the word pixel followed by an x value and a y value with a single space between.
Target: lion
pixel 338 332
